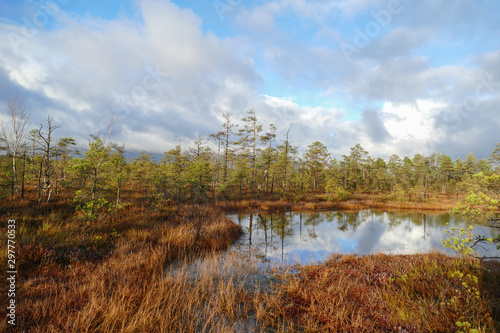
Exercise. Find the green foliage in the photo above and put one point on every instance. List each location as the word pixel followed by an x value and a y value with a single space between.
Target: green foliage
pixel 403 279
pixel 477 207
pixel 173 174
pixel 468 296
pixel 336 190
pixel 399 193
pixel 91 207
pixel 316 158
pixel 144 172
pixel 418 193
pixel 198 177
pixel 257 166
pixel 5 175
pixel 93 173
pixel 459 240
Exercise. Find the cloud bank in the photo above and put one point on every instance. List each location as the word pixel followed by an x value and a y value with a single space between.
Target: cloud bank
pixel 421 82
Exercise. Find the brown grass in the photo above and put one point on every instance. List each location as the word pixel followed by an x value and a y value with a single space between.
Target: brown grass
pixel 383 293
pixel 132 292
pixel 109 275
pixel 318 202
pixel 136 292
pixel 153 268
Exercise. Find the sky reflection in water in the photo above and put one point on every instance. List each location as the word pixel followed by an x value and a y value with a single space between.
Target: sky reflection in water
pixel 313 236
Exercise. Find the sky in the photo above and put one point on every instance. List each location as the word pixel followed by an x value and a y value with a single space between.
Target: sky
pixel 396 76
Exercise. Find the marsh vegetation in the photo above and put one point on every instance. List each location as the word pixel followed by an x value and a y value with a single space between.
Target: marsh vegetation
pixel 107 243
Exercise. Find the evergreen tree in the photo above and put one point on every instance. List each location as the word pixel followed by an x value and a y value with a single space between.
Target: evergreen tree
pixel 268 156
pixel 92 170
pixel 316 158
pixel 249 136
pixel 495 157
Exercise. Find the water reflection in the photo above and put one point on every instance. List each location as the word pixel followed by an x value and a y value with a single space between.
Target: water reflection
pixel 314 236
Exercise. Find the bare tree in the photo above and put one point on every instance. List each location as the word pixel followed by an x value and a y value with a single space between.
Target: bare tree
pixel 287 144
pixel 249 137
pixel 199 147
pixel 217 138
pixel 268 138
pixel 63 151
pixel 12 133
pixel 118 164
pixel 228 131
pixel 110 129
pixel 46 144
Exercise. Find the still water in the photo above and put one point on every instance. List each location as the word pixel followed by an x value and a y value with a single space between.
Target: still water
pixel 312 236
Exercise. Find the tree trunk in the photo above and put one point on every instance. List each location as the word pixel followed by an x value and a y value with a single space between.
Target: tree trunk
pixel 40 183
pixel 118 194
pixel 14 170
pixel 94 190
pixel 272 184
pixel 23 174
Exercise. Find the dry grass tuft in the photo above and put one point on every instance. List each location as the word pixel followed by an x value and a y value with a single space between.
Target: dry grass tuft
pixel 381 293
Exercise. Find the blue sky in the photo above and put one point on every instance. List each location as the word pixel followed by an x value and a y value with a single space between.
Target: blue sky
pixel 398 77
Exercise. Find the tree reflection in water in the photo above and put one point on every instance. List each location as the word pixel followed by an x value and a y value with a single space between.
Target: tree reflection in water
pixel 313 236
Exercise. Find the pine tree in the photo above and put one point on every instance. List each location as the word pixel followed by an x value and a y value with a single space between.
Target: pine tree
pixel 316 158
pixel 249 136
pixel 93 171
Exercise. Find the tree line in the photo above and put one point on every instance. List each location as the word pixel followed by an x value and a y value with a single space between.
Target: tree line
pixel 243 159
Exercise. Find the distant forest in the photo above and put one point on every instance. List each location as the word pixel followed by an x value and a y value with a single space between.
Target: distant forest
pixel 247 161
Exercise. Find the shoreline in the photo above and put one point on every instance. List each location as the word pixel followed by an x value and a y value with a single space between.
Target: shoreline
pixel 359 202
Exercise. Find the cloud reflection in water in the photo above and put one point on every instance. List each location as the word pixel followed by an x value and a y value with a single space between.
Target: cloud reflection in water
pixel 313 236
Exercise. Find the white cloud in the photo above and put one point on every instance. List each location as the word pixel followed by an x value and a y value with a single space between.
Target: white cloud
pixel 410 120
pixel 165 77
pixel 165 72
